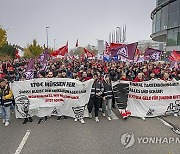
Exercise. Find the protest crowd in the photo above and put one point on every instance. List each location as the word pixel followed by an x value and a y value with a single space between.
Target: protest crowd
pixel 102 72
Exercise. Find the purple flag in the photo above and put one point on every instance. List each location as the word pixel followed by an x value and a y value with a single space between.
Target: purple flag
pixel 43 59
pixel 152 54
pixel 126 50
pixel 30 70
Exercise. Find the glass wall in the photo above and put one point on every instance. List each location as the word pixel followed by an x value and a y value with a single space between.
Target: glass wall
pixel 160 2
pixel 178 37
pixel 173 37
pixel 164 17
pixel 158 21
pixel 173 14
pixel 167 17
pixel 154 24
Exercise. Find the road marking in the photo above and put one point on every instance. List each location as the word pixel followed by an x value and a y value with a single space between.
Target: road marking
pixel 174 128
pixel 19 149
pixel 114 117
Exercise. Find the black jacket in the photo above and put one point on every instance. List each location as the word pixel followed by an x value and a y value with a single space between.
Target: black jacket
pixel 96 88
pixel 108 92
pixel 7 93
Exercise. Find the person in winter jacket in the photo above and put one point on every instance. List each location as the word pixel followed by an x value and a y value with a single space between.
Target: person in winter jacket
pixel 107 97
pixel 95 97
pixel 5 101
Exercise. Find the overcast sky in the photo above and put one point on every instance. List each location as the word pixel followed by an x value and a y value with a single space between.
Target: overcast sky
pixel 85 20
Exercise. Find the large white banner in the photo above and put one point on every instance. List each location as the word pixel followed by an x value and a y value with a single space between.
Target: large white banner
pixel 153 98
pixel 51 96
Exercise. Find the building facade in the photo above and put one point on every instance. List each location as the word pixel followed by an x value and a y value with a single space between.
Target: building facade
pixel 166 23
pixel 144 44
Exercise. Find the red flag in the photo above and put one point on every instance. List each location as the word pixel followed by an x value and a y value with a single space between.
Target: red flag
pixel 171 58
pixel 107 49
pixel 17 56
pixel 115 45
pixel 88 53
pixel 174 56
pixel 77 43
pixel 138 52
pixel 61 51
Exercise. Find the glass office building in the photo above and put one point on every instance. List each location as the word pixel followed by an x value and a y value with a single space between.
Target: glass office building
pixel 166 23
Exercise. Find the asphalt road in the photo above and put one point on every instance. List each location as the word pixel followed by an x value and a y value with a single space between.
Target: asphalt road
pixel 69 137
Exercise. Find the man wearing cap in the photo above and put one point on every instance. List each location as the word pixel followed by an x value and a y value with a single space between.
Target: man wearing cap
pixel 5 101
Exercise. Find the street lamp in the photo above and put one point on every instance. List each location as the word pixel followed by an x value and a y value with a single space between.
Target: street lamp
pixel 47 35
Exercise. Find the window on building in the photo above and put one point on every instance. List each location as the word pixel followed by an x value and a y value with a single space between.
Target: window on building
pixel 164 23
pixel 158 14
pixel 172 38
pixel 179 12
pixel 160 2
pixel 164 17
pixel 164 11
pixel 173 18
pixel 173 7
pixel 154 23
pixel 153 28
pixel 157 25
pixel 158 21
pixel 178 37
pixel 154 18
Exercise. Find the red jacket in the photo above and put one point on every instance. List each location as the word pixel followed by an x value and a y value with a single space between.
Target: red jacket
pixel 2 75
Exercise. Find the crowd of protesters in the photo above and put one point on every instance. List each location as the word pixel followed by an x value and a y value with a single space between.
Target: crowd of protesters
pixel 83 70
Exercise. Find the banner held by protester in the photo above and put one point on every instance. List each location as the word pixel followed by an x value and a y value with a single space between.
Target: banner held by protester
pixel 44 97
pixel 153 98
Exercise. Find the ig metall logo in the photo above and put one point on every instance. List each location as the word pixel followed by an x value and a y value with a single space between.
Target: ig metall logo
pixel 127 139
